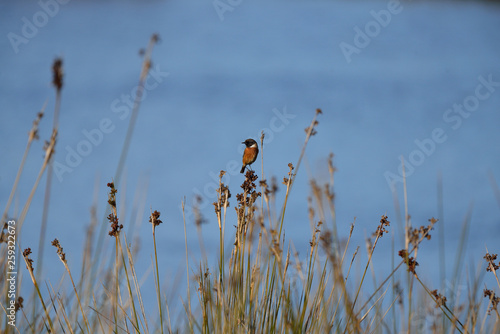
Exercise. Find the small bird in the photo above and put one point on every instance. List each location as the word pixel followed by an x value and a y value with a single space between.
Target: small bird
pixel 250 153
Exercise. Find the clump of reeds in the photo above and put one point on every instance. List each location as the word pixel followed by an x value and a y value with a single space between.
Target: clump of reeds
pixel 258 283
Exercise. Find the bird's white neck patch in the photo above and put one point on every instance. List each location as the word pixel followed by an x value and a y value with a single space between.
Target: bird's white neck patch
pixel 254 146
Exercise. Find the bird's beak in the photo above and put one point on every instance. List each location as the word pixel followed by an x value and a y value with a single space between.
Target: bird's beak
pixel 243 142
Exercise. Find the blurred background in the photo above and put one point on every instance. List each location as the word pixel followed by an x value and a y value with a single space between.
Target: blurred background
pixel 418 80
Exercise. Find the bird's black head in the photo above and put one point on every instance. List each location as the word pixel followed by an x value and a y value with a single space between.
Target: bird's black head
pixel 250 142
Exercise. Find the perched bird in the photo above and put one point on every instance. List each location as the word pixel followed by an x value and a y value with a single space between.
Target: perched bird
pixel 250 153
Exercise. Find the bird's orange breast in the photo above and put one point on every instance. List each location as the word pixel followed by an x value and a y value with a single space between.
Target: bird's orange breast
pixel 250 155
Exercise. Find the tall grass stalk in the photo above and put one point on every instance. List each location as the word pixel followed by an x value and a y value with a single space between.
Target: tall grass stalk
pixel 57 81
pixel 62 257
pixel 29 266
pixel 155 221
pixel 49 150
pixel 32 135
pixel 190 320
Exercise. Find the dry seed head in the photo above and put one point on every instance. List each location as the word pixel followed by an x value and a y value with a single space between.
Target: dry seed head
pixel 19 304
pixel 223 195
pixel 248 187
pixel 155 218
pixel 490 258
pixel 3 235
pixel 29 262
pixel 57 73
pixel 410 261
pixel 155 38
pixel 381 229
pixel 331 168
pixel 311 129
pixel 115 226
pixel 494 300
pixel 113 219
pixel 112 194
pixel 286 180
pixel 60 252
pixel 440 299
pixel 33 134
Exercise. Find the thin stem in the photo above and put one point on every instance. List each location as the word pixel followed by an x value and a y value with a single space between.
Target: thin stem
pixel 33 134
pixel 157 272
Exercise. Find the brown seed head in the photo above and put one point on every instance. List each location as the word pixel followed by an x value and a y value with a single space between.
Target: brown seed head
pixel 155 218
pixel 60 252
pixel 57 73
pixel 29 262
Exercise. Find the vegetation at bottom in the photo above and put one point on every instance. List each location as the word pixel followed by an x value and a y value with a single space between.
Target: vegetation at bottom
pixel 256 282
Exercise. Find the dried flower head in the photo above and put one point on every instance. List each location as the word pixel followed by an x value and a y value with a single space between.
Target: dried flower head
pixel 112 194
pixel 3 234
pixel 246 208
pixel 60 252
pixel 33 133
pixel 115 226
pixel 19 304
pixel 155 218
pixel 288 179
pixel 416 235
pixel 248 187
pixel 223 195
pixel 440 299
pixel 311 129
pixel 381 228
pixel 49 146
pixel 29 262
pixel 155 38
pixel 113 218
pixel 57 73
pixel 490 259
pixel 494 300
pixel 410 261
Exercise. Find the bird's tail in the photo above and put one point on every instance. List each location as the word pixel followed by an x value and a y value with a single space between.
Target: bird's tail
pixel 242 169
